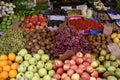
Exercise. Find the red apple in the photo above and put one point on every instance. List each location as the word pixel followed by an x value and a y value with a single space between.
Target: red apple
pixel 60 71
pixel 79 61
pixel 90 69
pixel 74 57
pixel 95 74
pixel 88 55
pixel 58 63
pixel 67 78
pixel 56 76
pixel 79 54
pixel 81 66
pixel 72 62
pixel 54 67
pixel 85 76
pixel 63 76
pixel 70 72
pixel 79 71
pixel 67 61
pixel 38 23
pixel 86 64
pixel 74 67
pixel 66 67
pixel 88 60
pixel 99 79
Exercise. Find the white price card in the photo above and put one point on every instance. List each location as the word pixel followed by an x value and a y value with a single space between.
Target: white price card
pixel 55 17
pixel 114 49
pixel 66 7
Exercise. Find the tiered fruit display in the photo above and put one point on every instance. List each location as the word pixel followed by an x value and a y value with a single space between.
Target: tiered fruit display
pixel 36 67
pixel 77 68
pixel 107 66
pixel 116 38
pixel 8 66
pixel 7 22
pixel 34 22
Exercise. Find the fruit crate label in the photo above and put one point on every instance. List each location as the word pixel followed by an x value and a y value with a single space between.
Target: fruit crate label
pixel 114 49
pixel 66 7
pixel 55 17
pixel 107 29
pixel 15 24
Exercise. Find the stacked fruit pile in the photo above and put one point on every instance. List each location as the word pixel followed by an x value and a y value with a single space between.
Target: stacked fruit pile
pixel 8 66
pixel 77 68
pixel 36 67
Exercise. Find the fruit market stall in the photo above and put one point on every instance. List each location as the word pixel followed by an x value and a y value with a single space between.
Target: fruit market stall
pixel 65 40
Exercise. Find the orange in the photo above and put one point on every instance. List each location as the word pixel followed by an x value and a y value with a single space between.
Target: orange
pixel 14 66
pixel 11 56
pixel 9 62
pixel 0 69
pixel 6 68
pixel 12 73
pixel 3 57
pixel 4 75
pixel 3 63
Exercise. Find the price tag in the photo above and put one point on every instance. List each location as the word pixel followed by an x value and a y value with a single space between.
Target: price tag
pixel 81 7
pixel 107 29
pixel 52 17
pixel 114 49
pixel 35 2
pixel 66 7
pixel 15 24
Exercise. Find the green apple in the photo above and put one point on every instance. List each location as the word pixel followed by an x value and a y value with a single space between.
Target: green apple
pixel 51 72
pixel 19 59
pixel 25 63
pixel 27 57
pixel 40 64
pixel 20 75
pixel 45 57
pixel 29 74
pixel 22 52
pixel 53 79
pixel 41 52
pixel 50 61
pixel 32 61
pixel 46 77
pixel 37 56
pixel 35 78
pixel 37 75
pixel 42 72
pixel 32 68
pixel 23 78
pixel 48 66
pixel 21 68
pixel 12 79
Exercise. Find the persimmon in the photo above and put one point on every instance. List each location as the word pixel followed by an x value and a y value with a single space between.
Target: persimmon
pixel 14 66
pixel 12 73
pixel 3 63
pixel 7 68
pixel 0 69
pixel 4 75
pixel 11 56
pixel 9 62
pixel 3 57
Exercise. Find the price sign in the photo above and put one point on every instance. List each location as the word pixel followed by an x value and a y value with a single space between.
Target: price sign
pixel 15 24
pixel 55 17
pixel 114 49
pixel 66 7
pixel 107 29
